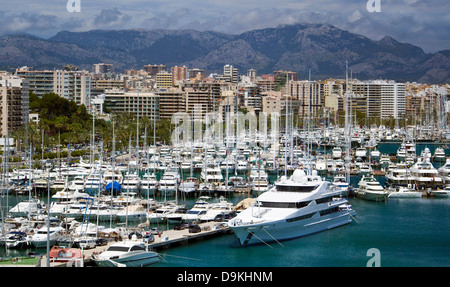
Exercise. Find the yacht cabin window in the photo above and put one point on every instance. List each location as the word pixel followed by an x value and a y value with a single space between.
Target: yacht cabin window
pixel 293 188
pixel 268 204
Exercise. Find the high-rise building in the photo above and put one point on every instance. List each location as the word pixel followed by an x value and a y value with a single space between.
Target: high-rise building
pixel 14 108
pixel 379 99
pixel 102 68
pixel 230 74
pixel 308 95
pixel 71 85
pixel 152 70
pixel 179 74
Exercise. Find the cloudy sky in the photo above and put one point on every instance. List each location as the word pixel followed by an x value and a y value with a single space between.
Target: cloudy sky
pixel 425 23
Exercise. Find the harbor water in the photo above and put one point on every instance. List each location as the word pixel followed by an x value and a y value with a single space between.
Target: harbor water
pixel 403 232
pixel 407 233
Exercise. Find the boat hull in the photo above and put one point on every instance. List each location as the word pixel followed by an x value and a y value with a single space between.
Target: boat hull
pixel 138 260
pixel 372 196
pixel 270 231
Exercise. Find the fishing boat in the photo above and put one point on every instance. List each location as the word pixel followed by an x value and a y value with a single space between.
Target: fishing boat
pixel 297 206
pixel 128 253
pixel 370 189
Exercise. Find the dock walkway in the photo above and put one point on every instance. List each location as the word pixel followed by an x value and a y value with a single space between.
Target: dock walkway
pixel 168 239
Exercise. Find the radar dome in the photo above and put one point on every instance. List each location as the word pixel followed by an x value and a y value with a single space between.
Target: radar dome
pixel 298 175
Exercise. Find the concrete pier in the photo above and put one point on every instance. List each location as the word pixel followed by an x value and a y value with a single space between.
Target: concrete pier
pixel 167 239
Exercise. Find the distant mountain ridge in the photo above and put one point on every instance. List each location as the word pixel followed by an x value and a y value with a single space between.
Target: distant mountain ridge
pixel 322 48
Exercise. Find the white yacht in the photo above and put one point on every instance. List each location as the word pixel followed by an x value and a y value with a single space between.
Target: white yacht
pixel 398 174
pixel 109 176
pixel 133 212
pixel 16 239
pixel 340 182
pixel 336 152
pixel 444 171
pixel 25 207
pixel 425 175
pixel 404 192
pixel 370 189
pixel 77 183
pixel 211 177
pixel 59 184
pixel 228 163
pixel 218 210
pixel 128 253
pixel 131 182
pixel 361 152
pixel 161 212
pixel 168 183
pixel 189 185
pixel 445 192
pixel 93 183
pixel 200 208
pixel 53 234
pixel 295 207
pixel 439 154
pixel 149 184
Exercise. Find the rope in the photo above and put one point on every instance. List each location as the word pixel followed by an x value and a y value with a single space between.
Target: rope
pixel 261 239
pixel 272 237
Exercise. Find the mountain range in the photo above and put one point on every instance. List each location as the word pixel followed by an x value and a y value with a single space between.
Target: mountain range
pixel 322 48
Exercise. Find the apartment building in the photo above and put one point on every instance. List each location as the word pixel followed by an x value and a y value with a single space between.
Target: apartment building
pixel 71 85
pixel 308 95
pixel 378 99
pixel 164 80
pixel 142 103
pixel 102 68
pixel 14 98
pixel 153 70
pixel 171 101
pixel 178 74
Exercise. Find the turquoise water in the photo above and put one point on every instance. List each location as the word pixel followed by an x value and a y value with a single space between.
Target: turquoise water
pixel 407 232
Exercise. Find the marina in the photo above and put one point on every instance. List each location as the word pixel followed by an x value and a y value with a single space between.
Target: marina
pixel 186 208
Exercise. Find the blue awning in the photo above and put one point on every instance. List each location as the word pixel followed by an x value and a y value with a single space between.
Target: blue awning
pixel 115 186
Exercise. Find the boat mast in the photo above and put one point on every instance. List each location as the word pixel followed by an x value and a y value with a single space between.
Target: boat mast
pixel 347 127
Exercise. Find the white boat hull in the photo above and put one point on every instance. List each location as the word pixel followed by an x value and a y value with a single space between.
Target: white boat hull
pixel 269 231
pixel 372 196
pixel 137 260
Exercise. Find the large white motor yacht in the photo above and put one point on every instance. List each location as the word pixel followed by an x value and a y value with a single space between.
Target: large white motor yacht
pixel 294 207
pixel 370 189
